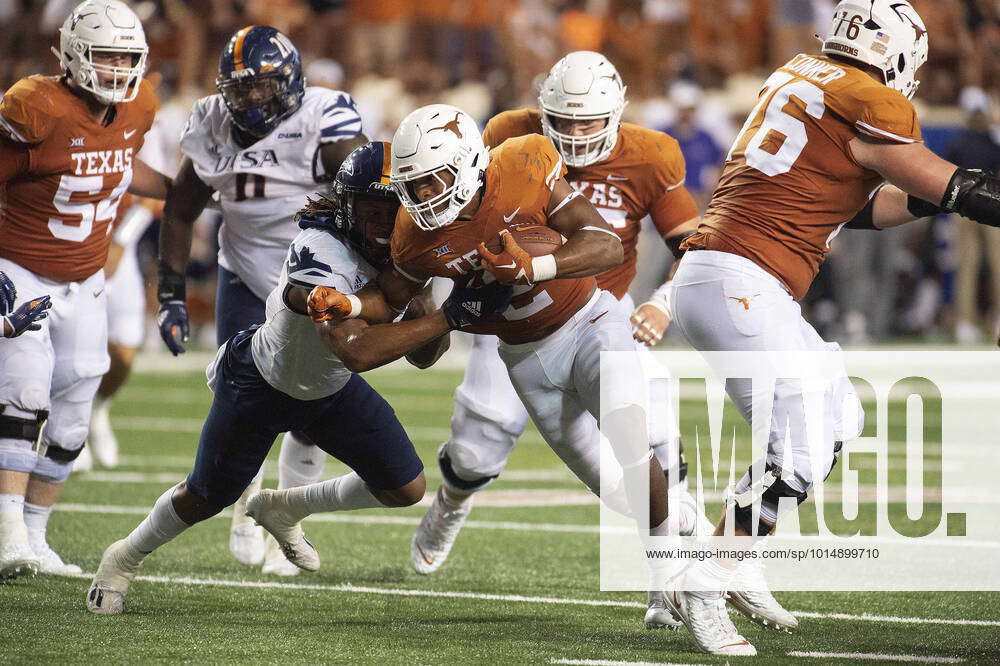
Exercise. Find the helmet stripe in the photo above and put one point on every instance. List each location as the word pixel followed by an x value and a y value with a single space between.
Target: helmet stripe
pixel 386 162
pixel 238 47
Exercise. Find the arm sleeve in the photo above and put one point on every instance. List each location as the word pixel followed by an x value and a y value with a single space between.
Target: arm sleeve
pixel 339 118
pixel 671 203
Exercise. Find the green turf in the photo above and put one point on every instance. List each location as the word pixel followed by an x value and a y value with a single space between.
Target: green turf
pixel 43 620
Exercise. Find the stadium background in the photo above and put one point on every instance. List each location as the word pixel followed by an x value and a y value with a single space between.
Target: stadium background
pixel 692 68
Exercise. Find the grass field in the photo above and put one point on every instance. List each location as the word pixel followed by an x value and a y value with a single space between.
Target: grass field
pixel 521 585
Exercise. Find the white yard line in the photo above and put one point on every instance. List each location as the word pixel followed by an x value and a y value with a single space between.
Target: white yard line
pixel 357 589
pixel 868 656
pixel 604 662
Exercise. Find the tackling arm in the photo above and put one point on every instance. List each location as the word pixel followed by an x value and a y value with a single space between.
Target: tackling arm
pixel 148 182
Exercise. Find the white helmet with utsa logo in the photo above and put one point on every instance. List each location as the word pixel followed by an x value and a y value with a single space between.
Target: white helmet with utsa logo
pixel 886 34
pixel 431 141
pixel 103 25
pixel 583 86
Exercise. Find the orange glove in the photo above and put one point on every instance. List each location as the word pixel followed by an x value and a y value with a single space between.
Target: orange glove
pixel 512 265
pixel 328 304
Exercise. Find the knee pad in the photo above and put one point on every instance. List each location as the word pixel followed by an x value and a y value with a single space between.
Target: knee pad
pixel 55 470
pixel 470 481
pixel 19 430
pixel 767 492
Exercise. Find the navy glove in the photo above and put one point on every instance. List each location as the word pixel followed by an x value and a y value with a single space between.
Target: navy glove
pixel 467 305
pixel 8 294
pixel 26 317
pixel 173 314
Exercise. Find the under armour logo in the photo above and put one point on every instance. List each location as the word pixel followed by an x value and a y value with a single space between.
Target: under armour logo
pixel 450 126
pixel 745 300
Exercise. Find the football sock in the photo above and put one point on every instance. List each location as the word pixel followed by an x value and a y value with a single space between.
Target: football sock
pixel 160 526
pixel 299 463
pixel 344 493
pixel 12 504
pixel 36 519
pixel 454 499
pixel 710 578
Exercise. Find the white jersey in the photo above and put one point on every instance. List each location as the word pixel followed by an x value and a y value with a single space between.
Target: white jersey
pixel 286 349
pixel 261 187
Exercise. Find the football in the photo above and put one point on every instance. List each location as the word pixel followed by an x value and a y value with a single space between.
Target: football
pixel 535 239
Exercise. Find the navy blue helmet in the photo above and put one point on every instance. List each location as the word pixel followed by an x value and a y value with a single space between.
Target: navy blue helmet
pixel 362 205
pixel 260 78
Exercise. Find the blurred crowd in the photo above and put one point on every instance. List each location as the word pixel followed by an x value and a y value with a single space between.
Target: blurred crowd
pixel 692 68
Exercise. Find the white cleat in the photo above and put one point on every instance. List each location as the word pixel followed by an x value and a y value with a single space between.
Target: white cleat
pixel 85 461
pixel 246 538
pixel 709 624
pixel 659 615
pixel 102 438
pixel 17 559
pixel 275 562
pixel 49 561
pixel 436 533
pixel 270 509
pixel 750 596
pixel 107 592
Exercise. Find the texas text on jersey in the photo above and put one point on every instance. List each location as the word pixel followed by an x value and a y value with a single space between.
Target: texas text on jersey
pixel 64 175
pixel 643 175
pixel 781 218
pixel 519 181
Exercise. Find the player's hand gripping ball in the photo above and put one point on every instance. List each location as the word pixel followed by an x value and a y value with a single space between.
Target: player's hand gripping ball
pixel 508 256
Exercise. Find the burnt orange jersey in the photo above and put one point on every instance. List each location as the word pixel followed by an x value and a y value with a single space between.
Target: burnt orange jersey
pixel 643 175
pixel 63 175
pixel 519 182
pixel 790 182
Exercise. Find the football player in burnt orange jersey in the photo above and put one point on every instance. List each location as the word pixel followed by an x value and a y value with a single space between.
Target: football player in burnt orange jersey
pixel 813 157
pixel 67 156
pixel 627 172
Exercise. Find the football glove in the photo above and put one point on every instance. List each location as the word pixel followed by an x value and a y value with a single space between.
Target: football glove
pixel 26 317
pixel 328 304
pixel 467 305
pixel 974 194
pixel 512 265
pixel 173 315
pixel 8 294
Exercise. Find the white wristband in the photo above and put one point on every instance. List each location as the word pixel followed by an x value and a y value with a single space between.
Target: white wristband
pixel 355 306
pixel 543 268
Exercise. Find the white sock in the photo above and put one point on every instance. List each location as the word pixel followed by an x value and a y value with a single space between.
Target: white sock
pixel 344 493
pixel 12 504
pixel 36 519
pixel 160 526
pixel 299 463
pixel 710 578
pixel 454 499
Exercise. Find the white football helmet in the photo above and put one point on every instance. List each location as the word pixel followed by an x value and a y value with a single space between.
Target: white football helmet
pixel 103 25
pixel 583 86
pixel 430 141
pixel 886 34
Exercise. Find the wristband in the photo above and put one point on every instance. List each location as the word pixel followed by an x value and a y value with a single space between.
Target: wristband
pixel 171 285
pixel 543 268
pixel 355 306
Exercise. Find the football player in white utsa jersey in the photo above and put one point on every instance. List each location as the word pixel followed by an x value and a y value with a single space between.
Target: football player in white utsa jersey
pixel 68 154
pixel 834 141
pixel 293 374
pixel 262 144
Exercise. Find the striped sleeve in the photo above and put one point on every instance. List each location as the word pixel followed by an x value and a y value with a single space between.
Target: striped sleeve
pixel 339 118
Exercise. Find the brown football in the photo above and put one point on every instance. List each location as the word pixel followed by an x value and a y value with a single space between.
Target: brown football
pixel 535 239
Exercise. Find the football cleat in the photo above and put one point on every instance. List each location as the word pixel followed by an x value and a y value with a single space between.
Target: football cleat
pixel 750 596
pixel 17 559
pixel 246 539
pixel 275 562
pixel 436 533
pixel 659 615
pixel 102 440
pixel 707 620
pixel 107 592
pixel 49 561
pixel 270 509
